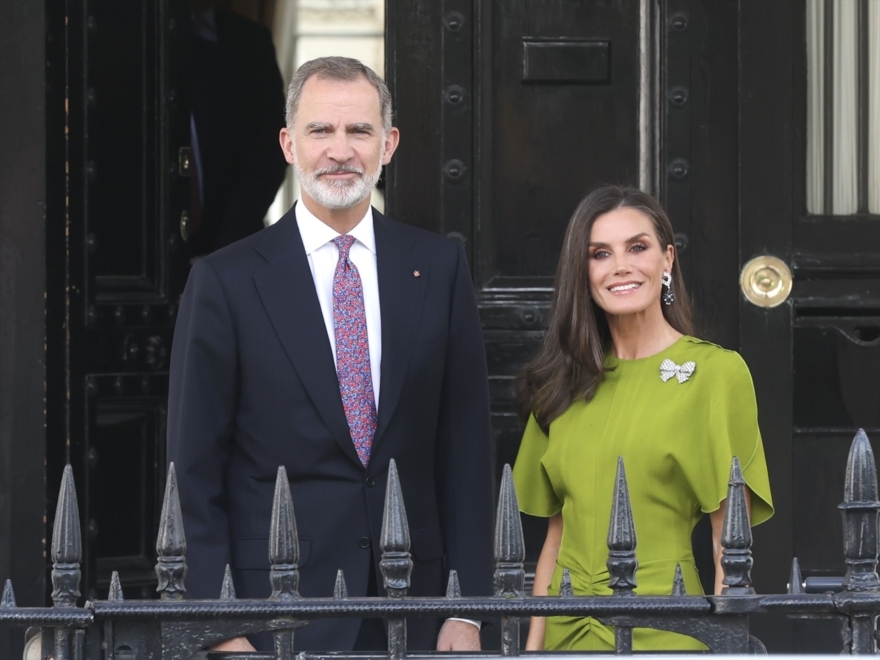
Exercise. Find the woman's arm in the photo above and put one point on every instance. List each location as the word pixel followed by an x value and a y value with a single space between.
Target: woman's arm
pixel 717 519
pixel 543 576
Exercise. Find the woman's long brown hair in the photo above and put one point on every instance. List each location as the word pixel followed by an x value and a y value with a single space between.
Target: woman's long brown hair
pixel 570 365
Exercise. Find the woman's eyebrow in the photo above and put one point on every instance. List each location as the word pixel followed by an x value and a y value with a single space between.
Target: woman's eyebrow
pixel 635 238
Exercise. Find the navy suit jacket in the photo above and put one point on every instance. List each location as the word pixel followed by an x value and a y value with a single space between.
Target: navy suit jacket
pixel 253 386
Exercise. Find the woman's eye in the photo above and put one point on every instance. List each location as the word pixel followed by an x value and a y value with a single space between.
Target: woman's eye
pixel 600 254
pixel 639 247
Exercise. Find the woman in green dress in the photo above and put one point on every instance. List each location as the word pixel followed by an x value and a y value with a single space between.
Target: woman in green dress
pixel 620 375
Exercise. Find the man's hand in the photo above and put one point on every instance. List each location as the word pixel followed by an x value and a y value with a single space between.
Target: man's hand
pixel 458 636
pixel 234 644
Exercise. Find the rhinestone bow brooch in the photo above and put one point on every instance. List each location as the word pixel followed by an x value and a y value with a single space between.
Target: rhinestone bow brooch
pixel 668 369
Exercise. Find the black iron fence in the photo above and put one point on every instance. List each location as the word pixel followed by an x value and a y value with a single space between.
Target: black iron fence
pixel 175 629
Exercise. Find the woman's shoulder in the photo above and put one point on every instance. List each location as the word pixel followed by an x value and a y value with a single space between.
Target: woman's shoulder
pixel 714 359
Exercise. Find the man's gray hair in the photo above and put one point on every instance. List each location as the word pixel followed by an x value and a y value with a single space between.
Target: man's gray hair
pixel 341 69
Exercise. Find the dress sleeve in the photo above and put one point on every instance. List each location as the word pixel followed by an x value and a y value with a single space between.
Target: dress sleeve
pixel 534 492
pixel 731 430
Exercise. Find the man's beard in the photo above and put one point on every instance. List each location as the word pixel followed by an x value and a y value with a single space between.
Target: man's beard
pixel 339 194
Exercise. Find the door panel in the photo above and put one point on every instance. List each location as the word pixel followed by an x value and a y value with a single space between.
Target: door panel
pixel 116 271
pixel 543 149
pixel 124 140
pixel 836 364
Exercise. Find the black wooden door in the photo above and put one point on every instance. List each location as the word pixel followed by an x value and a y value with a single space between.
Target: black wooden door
pixel 116 268
pixel 509 113
pixel 815 358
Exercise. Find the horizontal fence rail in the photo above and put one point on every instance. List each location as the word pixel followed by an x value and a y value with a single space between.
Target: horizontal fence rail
pixel 173 628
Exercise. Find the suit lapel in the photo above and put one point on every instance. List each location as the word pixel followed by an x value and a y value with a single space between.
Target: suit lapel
pixel 287 290
pixel 401 295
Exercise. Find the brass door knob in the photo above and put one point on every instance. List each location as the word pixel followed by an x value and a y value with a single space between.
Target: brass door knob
pixel 766 281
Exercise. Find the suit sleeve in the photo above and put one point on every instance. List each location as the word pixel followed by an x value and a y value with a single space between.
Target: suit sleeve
pixel 464 460
pixel 201 415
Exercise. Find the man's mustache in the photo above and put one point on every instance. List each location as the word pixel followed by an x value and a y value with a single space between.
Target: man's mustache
pixel 339 169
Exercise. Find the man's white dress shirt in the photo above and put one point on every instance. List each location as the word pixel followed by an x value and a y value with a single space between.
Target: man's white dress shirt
pixel 323 255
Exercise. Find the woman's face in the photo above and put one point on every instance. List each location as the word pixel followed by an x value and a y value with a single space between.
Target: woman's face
pixel 627 262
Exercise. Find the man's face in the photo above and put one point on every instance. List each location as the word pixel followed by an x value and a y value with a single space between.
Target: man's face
pixel 336 145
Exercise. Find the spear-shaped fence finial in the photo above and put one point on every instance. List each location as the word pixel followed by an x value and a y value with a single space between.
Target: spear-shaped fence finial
pixel 283 557
pixel 678 588
pixel 396 564
pixel 8 598
pixel 795 579
pixel 736 537
pixel 453 587
pixel 510 553
pixel 227 588
pixel 510 550
pixel 114 594
pixel 283 542
pixel 171 543
pixel 66 545
pixel 340 589
pixel 859 509
pixel 566 590
pixel 622 563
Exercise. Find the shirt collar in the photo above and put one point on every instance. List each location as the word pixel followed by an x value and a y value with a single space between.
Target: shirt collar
pixel 315 233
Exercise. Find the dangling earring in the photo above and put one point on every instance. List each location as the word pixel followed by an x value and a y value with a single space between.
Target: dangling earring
pixel 668 296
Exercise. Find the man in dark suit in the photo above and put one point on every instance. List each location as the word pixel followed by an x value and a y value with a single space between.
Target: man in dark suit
pixel 332 342
pixel 237 111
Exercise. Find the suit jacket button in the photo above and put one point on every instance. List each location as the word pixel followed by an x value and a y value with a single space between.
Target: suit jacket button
pixel 364 542
pixel 370 482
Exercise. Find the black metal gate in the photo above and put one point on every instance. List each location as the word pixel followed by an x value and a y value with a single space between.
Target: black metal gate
pixel 175 629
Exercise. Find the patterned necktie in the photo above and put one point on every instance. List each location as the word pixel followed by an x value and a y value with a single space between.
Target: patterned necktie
pixel 353 351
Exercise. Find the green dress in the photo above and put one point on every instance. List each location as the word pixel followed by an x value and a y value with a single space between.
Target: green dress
pixel 677 440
